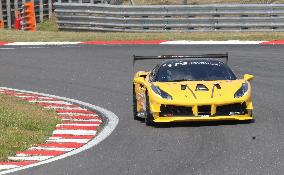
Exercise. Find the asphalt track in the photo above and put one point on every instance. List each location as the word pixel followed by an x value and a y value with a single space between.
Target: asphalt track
pixel 102 75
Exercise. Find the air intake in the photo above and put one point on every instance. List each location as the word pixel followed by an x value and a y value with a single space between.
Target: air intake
pixel 201 87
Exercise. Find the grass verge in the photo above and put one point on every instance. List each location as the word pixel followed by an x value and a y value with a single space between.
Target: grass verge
pixel 17 36
pixel 23 124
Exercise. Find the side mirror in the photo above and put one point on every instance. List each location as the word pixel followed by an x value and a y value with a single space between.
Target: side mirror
pixel 139 80
pixel 248 77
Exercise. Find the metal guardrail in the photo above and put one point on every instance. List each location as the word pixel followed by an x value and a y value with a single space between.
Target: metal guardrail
pixel 104 17
pixel 81 1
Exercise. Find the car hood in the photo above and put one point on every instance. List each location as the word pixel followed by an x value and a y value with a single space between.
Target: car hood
pixel 201 90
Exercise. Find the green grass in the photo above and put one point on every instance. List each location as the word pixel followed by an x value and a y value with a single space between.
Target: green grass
pixel 48 25
pixel 22 125
pixel 13 36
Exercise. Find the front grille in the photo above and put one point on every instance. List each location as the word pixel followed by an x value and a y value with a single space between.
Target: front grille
pixel 171 110
pixel 204 110
pixel 232 109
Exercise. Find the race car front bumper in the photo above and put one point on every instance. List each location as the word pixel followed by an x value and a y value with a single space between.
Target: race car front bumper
pixel 202 118
pixel 203 112
pixel 211 109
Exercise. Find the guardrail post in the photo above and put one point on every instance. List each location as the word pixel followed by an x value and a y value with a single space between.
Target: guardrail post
pixel 40 10
pixel 8 8
pixel 16 7
pixel 1 16
pixel 50 8
pixel 23 2
pixel 145 22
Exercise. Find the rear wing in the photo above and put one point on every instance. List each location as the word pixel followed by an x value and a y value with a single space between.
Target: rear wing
pixel 164 57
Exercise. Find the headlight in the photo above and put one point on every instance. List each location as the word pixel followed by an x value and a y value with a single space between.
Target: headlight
pixel 241 92
pixel 161 93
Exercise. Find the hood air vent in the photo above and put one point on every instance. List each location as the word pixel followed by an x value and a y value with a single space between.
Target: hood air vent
pixel 183 87
pixel 201 87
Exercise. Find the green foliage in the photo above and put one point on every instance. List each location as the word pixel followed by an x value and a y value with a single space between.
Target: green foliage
pixel 48 25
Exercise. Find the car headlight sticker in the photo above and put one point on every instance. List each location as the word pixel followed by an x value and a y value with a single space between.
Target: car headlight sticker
pixel 161 93
pixel 241 92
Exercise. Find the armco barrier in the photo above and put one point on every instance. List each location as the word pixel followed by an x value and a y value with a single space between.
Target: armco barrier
pixel 104 17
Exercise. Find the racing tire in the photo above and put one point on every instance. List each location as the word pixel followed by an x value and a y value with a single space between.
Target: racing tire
pixel 134 105
pixel 149 120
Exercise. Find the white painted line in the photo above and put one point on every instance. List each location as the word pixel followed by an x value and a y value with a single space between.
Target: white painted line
pixel 29 158
pixel 60 140
pixel 111 123
pixel 81 120
pixel 34 47
pixel 62 107
pixel 80 124
pixel 45 98
pixel 52 149
pixel 40 43
pixel 72 108
pixel 7 48
pixel 75 132
pixel 23 155
pixel 40 98
pixel 229 42
pixel 52 102
pixel 74 114
pixel 5 167
pixel 23 96
pixel 72 46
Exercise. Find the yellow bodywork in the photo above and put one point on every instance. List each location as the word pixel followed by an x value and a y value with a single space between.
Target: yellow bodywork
pixel 191 98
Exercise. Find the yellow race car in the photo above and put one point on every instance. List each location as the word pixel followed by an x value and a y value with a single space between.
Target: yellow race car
pixel 185 88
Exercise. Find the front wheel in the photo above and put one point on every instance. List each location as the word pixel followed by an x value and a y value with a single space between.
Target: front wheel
pixel 149 117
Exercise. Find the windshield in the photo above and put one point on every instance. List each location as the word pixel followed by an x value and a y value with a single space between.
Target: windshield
pixel 194 71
